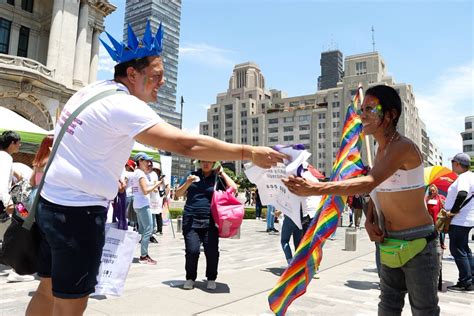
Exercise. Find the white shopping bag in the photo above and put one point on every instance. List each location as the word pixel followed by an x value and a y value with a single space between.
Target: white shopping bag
pixel 117 257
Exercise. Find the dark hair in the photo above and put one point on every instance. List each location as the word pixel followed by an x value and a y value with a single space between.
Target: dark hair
pixel 7 138
pixel 138 64
pixel 388 98
pixel 44 151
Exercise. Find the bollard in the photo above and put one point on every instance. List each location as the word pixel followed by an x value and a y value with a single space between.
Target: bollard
pixel 179 224
pixel 351 239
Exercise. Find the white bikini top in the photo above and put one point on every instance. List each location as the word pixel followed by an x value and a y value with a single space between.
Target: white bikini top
pixel 403 180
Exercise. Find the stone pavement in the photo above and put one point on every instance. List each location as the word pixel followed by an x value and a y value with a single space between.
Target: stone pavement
pixel 249 268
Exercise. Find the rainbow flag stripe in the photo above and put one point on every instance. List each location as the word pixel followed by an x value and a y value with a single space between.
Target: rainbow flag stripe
pixel 299 273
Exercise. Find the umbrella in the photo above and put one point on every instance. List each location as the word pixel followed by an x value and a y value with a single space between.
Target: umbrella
pixel 440 176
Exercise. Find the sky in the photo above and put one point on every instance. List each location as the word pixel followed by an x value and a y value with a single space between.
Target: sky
pixel 427 44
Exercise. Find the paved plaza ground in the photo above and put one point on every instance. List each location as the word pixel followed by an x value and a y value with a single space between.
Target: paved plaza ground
pixel 249 267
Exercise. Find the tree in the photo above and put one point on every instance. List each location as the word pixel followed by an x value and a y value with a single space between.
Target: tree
pixel 243 182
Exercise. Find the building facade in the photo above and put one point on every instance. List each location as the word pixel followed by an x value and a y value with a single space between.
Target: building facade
pixel 332 69
pixel 247 113
pixel 48 50
pixel 468 136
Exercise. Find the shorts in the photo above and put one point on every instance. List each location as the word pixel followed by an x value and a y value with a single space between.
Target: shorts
pixel 71 247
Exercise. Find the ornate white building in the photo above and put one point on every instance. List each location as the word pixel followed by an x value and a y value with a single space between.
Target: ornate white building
pixel 48 50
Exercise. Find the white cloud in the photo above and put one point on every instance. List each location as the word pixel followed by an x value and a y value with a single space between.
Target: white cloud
pixel 206 54
pixel 194 130
pixel 444 107
pixel 106 63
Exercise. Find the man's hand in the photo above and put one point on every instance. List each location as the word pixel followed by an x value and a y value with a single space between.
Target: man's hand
pixel 266 157
pixel 301 187
pixel 374 232
pixel 10 208
pixel 191 178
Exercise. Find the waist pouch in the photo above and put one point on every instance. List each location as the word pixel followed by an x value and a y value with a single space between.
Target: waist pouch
pixel 395 253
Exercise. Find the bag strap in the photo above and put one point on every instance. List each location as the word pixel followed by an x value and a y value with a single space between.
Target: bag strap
pixel 465 203
pixel 28 222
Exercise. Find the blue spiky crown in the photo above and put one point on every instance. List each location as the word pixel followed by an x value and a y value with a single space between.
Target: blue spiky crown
pixel 149 46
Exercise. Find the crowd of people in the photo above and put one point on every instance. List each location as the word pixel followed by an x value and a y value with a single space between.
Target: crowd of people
pixel 80 184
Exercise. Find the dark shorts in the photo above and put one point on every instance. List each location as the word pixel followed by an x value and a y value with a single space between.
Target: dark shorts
pixel 71 247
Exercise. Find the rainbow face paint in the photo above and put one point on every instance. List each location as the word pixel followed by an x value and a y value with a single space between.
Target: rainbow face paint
pixel 377 109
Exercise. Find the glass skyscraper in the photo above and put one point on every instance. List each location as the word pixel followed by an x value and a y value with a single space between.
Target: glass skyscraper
pixel 168 12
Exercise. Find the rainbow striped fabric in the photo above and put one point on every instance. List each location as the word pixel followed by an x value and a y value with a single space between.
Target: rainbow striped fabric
pixel 299 273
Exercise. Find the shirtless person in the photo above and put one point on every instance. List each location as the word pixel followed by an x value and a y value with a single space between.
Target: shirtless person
pixel 396 188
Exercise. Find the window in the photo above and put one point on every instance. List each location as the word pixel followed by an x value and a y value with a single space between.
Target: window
pixel 244 140
pixel 336 134
pixel 273 121
pixel 304 136
pixel 243 105
pixel 467 148
pixel 336 124
pixel 273 130
pixel 468 125
pixel 243 122
pixel 322 116
pixel 322 155
pixel 321 145
pixel 5 27
pixel 336 114
pixel 215 118
pixel 288 129
pixel 255 121
pixel 255 130
pixel 336 104
pixel 288 138
pixel 304 118
pixel 228 116
pixel 27 5
pixel 215 126
pixel 228 107
pixel 228 124
pixel 255 139
pixel 250 96
pixel 304 127
pixel 361 68
pixel 12 2
pixel 322 125
pixel 335 144
pixel 215 110
pixel 467 136
pixel 273 139
pixel 288 120
pixel 243 113
pixel 244 131
pixel 228 133
pixel 321 135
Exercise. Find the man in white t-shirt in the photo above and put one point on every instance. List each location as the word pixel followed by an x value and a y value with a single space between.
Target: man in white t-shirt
pixel 85 171
pixel 461 205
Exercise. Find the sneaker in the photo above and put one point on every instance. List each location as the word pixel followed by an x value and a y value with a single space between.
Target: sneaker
pixel 188 285
pixel 146 260
pixel 461 288
pixel 275 230
pixel 211 285
pixel 5 272
pixel 15 277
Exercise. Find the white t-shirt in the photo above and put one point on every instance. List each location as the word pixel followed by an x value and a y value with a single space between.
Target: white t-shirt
pixel 139 199
pixel 130 176
pixel 6 163
pixel 464 182
pixel 92 153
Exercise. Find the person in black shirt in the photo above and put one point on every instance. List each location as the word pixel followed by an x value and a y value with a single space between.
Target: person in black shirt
pixel 198 224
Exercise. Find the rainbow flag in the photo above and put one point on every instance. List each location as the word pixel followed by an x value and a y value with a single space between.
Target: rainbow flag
pixel 299 273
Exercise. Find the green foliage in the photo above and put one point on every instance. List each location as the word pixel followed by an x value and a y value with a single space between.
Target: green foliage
pixel 243 182
pixel 230 173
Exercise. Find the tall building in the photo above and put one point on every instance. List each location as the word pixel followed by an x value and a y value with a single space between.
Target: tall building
pixel 468 136
pixel 48 50
pixel 167 12
pixel 247 113
pixel 332 69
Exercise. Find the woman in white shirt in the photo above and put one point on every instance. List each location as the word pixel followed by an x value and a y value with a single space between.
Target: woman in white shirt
pixel 141 203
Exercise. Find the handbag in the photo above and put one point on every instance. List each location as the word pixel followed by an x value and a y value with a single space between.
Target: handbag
pixel 226 211
pixel 443 220
pixel 117 257
pixel 20 247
